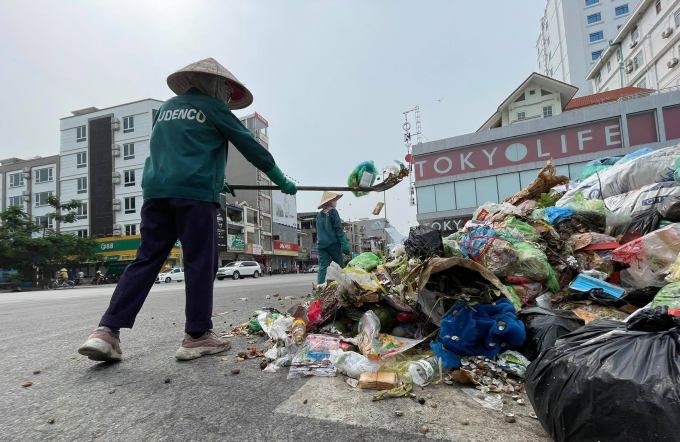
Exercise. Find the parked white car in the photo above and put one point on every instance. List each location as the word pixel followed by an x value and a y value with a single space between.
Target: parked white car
pixel 313 269
pixel 239 269
pixel 171 275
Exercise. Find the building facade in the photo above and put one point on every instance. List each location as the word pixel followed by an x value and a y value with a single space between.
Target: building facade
pixel 28 183
pixel 574 34
pixel 645 52
pixel 456 175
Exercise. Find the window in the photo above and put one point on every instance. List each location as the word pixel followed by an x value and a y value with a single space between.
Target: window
pixel 82 210
pixel 621 10
pixel 128 124
pixel 41 198
pixel 45 221
pixel 81 160
pixel 15 201
pixel 129 178
pixel 635 35
pixel 521 116
pixel 445 195
pixel 532 92
pixel 16 180
pixel 595 55
pixel 426 199
pixel 43 175
pixel 592 2
pixel 82 233
pixel 128 151
pixel 547 111
pixel 82 185
pixel 594 18
pixel 81 133
pixel 596 36
pixel 618 55
pixel 642 84
pixel 638 61
pixel 658 6
pixel 677 18
pixel 609 66
pixel 130 205
pixel 130 229
pixel 548 40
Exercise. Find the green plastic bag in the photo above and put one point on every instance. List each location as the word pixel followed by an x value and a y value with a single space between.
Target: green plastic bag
pixel 254 326
pixel 533 264
pixel 366 261
pixel 363 175
pixel 524 228
pixel 451 248
pixel 584 205
pixel 669 296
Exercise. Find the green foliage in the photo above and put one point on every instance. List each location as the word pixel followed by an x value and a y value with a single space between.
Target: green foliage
pixel 548 199
pixel 25 244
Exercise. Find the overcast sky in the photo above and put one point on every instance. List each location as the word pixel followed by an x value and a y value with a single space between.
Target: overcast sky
pixel 333 78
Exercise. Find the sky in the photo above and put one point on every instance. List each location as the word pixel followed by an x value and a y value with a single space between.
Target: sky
pixel 333 78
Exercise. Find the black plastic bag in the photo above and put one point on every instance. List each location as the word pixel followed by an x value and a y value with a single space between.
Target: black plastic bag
pixel 598 296
pixel 670 209
pixel 643 223
pixel 424 242
pixel 603 382
pixel 544 327
pixel 641 297
pixel 653 320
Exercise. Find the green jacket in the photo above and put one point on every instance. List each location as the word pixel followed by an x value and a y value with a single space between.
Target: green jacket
pixel 329 229
pixel 188 148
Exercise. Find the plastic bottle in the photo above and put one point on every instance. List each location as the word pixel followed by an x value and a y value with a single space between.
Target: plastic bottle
pixel 422 371
pixel 298 330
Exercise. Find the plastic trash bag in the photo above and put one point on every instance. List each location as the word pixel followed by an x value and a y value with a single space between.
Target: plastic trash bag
pixel 598 165
pixel 375 345
pixel 527 292
pixel 451 248
pixel 424 242
pixel 481 329
pixel 603 382
pixel 524 228
pixel 585 205
pixel 668 296
pixel 337 274
pixel 473 243
pixel 674 271
pixel 533 264
pixel 363 175
pixel 313 357
pixel 352 364
pixel 545 327
pixel 669 208
pixel 366 261
pixel 555 215
pixel 514 363
pixel 275 328
pixel 365 280
pixel 490 210
pixel 500 257
pixel 645 199
pixel 655 167
pixel 649 257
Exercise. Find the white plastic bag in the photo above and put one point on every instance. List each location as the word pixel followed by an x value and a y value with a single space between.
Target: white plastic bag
pixel 643 199
pixel 489 210
pixel 352 363
pixel 335 273
pixel 375 345
pixel 275 328
pixel 655 167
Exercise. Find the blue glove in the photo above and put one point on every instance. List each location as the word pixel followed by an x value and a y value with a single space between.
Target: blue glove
pixel 226 189
pixel 280 180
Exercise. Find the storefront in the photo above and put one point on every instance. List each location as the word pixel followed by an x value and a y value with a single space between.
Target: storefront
pixel 120 251
pixel 285 256
pixel 234 249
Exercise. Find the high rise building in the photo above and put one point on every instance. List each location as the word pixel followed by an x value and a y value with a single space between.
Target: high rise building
pixel 574 34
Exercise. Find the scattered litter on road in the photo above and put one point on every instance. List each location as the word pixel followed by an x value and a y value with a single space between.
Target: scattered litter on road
pixel 50 420
pixel 235 370
pixel 36 371
pixel 27 384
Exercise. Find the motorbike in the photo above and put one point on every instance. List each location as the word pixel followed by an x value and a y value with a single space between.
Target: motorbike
pixel 98 280
pixel 61 284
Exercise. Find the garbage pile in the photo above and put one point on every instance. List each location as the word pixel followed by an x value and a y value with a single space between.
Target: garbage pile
pixel 568 290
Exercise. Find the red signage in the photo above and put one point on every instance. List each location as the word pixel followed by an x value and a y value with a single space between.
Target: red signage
pixel 289 247
pixel 541 146
pixel 261 118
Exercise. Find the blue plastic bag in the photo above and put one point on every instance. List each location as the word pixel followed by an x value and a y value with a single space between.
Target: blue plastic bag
pixel 555 215
pixel 473 243
pixel 481 329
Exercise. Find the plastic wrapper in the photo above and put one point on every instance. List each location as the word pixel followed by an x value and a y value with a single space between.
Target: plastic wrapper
pixel 352 363
pixel 514 363
pixel 397 250
pixel 604 382
pixel 592 219
pixel 489 211
pixel 481 329
pixel 646 199
pixel 473 244
pixel 451 248
pixel 365 280
pixel 524 228
pixel 275 328
pixel 642 223
pixel 533 264
pixel 511 234
pixel 313 357
pixel 582 204
pixel 674 271
pixel 366 261
pixel 545 327
pixel 555 215
pixel 424 242
pixel 400 363
pixel 527 292
pixel 500 257
pixel 668 296
pixel 375 345
pixel 654 167
pixel 363 175
pixel 649 257
pixel 490 401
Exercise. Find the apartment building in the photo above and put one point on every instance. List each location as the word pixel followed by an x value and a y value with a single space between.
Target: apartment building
pixel 102 154
pixel 644 53
pixel 574 34
pixel 28 183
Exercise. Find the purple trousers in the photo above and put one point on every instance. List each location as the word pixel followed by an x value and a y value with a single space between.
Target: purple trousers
pixel 164 220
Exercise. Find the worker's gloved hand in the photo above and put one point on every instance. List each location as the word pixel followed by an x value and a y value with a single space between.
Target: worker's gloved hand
pixel 280 180
pixel 228 190
pixel 345 247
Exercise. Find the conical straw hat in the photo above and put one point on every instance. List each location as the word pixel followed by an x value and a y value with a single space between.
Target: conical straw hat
pixel 329 196
pixel 179 82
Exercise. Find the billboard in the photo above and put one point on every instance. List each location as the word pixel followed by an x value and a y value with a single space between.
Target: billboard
pixel 284 209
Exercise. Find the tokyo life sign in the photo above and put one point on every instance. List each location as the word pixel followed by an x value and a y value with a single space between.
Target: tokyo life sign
pixel 540 146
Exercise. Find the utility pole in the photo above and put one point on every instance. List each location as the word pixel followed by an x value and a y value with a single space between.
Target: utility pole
pixel 407 141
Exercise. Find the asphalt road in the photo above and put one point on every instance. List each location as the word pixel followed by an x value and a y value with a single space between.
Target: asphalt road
pixel 150 396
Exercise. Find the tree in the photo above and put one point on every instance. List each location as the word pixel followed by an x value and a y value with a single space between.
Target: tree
pixel 26 244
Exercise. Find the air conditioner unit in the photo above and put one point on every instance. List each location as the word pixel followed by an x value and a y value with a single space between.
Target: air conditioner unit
pixel 25 170
pixel 633 44
pixel 26 193
pixel 672 63
pixel 629 69
pixel 116 207
pixel 115 180
pixel 667 33
pixel 116 201
pixel 117 233
pixel 115 124
pixel 115 150
pixel 115 174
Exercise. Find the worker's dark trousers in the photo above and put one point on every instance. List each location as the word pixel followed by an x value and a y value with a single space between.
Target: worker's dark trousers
pixel 163 221
pixel 325 256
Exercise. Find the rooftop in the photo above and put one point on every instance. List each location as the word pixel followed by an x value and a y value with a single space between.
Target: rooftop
pixel 604 97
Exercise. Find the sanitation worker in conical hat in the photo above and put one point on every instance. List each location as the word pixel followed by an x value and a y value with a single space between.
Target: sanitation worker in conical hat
pixel 182 181
pixel 330 237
